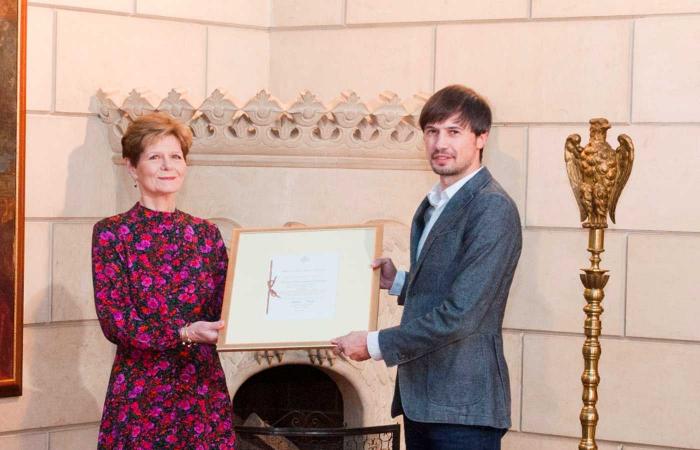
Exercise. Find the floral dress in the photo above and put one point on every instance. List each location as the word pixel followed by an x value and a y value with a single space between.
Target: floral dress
pixel 154 272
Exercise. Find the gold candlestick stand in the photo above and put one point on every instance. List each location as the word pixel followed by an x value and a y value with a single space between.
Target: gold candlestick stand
pixel 597 174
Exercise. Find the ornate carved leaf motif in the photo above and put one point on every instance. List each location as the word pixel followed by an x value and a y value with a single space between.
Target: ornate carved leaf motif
pixel 108 110
pixel 263 109
pixel 307 110
pixel 348 111
pixel 136 105
pixel 112 115
pixel 243 128
pixel 201 129
pixel 414 106
pixel 366 131
pixel 122 125
pixel 390 111
pixel 225 133
pixel 218 108
pixel 177 106
pixel 286 129
pixel 403 132
pixel 326 129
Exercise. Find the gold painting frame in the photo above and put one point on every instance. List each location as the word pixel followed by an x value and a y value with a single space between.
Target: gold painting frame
pixel 249 324
pixel 13 20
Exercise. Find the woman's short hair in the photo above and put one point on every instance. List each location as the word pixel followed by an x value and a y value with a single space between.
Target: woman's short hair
pixel 148 129
pixel 473 109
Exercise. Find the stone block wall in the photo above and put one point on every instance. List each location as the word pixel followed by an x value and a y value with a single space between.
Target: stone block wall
pixel 547 66
pixel 74 48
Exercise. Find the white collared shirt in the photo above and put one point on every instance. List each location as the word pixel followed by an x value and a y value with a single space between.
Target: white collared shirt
pixel 438 199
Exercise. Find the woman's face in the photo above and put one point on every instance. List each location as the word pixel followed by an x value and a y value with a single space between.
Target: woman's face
pixel 161 168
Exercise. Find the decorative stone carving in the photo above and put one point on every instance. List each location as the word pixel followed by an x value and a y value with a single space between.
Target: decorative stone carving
pixel 177 106
pixel 271 356
pixel 347 132
pixel 319 356
pixel 137 105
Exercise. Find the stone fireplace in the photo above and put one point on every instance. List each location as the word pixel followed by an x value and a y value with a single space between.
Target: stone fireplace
pixel 319 389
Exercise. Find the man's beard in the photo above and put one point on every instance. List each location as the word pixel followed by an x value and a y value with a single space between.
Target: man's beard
pixel 443 171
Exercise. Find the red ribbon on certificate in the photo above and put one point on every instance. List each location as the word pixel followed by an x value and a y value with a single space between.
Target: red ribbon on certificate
pixel 270 291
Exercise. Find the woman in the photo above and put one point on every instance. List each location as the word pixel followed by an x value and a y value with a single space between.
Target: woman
pixel 158 275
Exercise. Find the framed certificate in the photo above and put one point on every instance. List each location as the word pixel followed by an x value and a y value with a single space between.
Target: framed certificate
pixel 290 288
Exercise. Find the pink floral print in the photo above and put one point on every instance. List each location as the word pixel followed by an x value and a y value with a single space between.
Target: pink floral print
pixel 154 272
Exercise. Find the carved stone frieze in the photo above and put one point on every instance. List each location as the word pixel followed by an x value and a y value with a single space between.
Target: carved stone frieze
pixel 347 132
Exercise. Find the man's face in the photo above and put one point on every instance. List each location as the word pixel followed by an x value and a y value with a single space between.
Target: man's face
pixel 452 148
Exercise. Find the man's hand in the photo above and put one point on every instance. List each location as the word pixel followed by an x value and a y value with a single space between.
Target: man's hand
pixel 387 271
pixel 352 345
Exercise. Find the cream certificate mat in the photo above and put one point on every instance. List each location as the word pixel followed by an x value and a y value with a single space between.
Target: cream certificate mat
pixel 299 287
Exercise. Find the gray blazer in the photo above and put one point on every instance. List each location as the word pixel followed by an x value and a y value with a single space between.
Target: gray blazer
pixel 449 346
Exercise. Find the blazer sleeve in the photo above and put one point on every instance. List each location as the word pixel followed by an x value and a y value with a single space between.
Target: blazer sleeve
pixel 120 319
pixel 488 261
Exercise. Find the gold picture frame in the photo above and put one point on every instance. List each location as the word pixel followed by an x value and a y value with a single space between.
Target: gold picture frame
pixel 12 138
pixel 326 286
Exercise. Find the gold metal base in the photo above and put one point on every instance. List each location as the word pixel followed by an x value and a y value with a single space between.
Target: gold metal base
pixel 594 280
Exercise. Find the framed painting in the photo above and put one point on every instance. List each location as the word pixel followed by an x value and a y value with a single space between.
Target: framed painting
pixel 291 288
pixel 12 123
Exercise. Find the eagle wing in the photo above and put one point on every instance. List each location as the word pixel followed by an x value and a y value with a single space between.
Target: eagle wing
pixel 625 157
pixel 572 153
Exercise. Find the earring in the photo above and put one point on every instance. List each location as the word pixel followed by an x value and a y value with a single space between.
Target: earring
pixel 135 185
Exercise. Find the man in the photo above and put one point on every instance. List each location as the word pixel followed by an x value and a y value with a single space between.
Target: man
pixel 452 382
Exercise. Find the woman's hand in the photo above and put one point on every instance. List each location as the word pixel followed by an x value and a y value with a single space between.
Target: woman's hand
pixel 204 332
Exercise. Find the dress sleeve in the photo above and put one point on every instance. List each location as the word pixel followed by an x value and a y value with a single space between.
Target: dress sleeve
pixel 121 320
pixel 220 267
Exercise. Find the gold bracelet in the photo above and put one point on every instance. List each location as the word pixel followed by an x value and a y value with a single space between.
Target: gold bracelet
pixel 187 342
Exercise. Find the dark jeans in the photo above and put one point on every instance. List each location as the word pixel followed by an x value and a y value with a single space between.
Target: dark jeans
pixel 445 436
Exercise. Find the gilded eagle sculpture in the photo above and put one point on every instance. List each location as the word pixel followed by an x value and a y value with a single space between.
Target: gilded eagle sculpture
pixel 598 173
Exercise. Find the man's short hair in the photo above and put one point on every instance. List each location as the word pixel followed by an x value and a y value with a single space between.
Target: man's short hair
pixel 472 108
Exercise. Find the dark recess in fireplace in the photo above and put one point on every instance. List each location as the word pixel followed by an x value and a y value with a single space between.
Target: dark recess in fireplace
pixel 292 395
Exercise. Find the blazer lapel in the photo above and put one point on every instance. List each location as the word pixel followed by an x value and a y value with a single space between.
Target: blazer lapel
pixel 452 212
pixel 417 226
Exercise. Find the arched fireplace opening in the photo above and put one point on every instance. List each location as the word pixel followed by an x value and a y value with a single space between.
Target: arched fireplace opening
pixel 293 395
pixel 305 407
